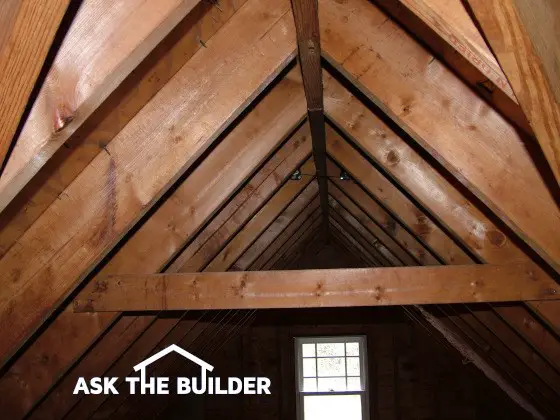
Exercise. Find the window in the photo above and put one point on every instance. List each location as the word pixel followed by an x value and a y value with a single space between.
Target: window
pixel 331 373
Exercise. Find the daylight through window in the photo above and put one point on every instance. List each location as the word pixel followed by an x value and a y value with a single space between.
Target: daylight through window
pixel 331 374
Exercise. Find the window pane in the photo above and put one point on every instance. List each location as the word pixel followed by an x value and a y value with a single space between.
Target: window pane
pixel 354 384
pixel 331 384
pixel 331 366
pixel 308 350
pixel 352 349
pixel 330 349
pixel 310 385
pixel 309 367
pixel 332 407
pixel 353 366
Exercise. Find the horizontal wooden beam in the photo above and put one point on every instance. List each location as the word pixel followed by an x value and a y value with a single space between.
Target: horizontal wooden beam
pixel 319 288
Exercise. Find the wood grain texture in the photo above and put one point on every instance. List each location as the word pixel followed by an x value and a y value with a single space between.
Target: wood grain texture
pixel 27 30
pixel 111 116
pixel 306 18
pixel 470 139
pixel 450 20
pixel 392 226
pixel 140 164
pixel 168 229
pixel 524 37
pixel 262 219
pixel 423 182
pixel 299 223
pixel 320 288
pixel 340 199
pixel 296 207
pixel 356 229
pixel 246 202
pixel 105 42
pixel 420 223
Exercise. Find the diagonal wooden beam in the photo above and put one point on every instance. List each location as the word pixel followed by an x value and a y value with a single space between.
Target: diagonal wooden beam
pixel 488 155
pixel 27 30
pixel 524 37
pixel 319 288
pixel 451 34
pixel 152 245
pixel 106 41
pixel 157 147
pixel 306 17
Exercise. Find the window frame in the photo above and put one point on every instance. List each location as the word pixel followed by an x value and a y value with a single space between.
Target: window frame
pixel 339 338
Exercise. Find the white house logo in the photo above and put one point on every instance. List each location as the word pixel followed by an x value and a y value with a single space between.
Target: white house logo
pixel 204 384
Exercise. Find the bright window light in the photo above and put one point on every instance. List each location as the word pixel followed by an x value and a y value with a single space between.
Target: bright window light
pixel 331 374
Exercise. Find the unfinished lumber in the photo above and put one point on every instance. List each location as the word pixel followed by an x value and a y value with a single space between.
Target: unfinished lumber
pixel 299 223
pixel 382 217
pixel 105 42
pixel 450 34
pixel 306 18
pixel 319 288
pixel 111 116
pixel 263 218
pixel 140 164
pixel 524 37
pixel 285 219
pixel 370 241
pixel 486 153
pixel 353 241
pixel 340 199
pixel 246 203
pixel 27 30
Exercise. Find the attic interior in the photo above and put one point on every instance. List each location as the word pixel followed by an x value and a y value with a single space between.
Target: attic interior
pixel 357 200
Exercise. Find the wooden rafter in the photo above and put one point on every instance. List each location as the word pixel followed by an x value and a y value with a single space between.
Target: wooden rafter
pixel 524 37
pixel 488 155
pixel 306 17
pixel 112 193
pixel 404 164
pixel 27 30
pixel 167 230
pixel 90 64
pixel 318 288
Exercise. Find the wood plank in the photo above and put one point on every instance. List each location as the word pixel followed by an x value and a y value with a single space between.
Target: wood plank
pixel 450 20
pixel 529 327
pixel 524 37
pixel 388 242
pixel 306 19
pixel 310 214
pixel 140 164
pixel 110 118
pixel 383 218
pixel 337 240
pixel 487 154
pixel 420 222
pixel 450 34
pixel 319 288
pixel 424 183
pixel 516 344
pixel 367 239
pixel 293 252
pixel 110 347
pixel 308 229
pixel 279 226
pixel 246 203
pixel 264 217
pixel 27 30
pixel 514 366
pixel 105 42
pixel 166 232
pixel 352 242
